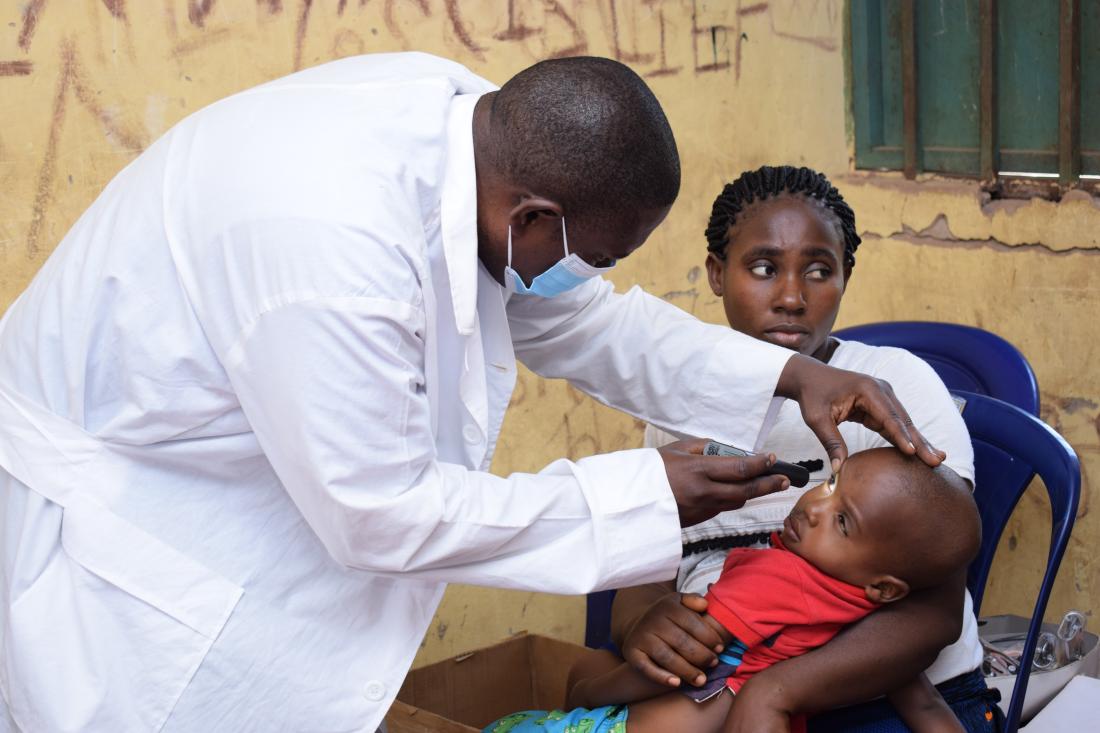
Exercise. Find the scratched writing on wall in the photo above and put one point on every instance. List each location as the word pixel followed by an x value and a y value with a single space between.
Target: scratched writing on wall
pixel 658 38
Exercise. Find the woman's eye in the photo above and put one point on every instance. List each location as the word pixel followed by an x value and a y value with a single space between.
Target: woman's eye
pixel 819 273
pixel 762 270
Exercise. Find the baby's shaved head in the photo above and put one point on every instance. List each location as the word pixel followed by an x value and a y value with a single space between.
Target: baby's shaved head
pixel 934 530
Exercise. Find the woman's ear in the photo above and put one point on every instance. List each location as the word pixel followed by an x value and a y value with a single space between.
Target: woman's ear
pixel 716 271
pixel 886 589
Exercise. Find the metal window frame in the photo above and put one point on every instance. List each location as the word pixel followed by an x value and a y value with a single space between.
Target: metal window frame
pixel 908 158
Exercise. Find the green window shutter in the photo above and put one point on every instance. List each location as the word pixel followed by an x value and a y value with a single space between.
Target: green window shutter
pixel 1090 87
pixel 948 65
pixel 1027 85
pixel 876 83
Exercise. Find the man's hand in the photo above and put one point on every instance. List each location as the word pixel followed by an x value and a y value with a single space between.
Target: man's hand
pixel 830 396
pixel 671 641
pixel 707 485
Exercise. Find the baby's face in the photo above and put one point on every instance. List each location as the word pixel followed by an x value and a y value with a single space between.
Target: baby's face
pixel 843 526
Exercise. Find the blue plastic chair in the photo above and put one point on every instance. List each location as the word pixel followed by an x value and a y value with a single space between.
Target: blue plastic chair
pixel 963 356
pixel 1010 448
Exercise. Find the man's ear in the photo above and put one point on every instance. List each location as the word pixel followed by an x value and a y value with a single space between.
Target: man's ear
pixel 716 269
pixel 886 589
pixel 530 209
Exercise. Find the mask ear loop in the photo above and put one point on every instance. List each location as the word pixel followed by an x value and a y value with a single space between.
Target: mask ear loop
pixel 564 239
pixel 509 245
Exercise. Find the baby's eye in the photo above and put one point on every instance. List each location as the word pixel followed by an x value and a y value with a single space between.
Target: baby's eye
pixel 762 269
pixel 819 272
pixel 842 522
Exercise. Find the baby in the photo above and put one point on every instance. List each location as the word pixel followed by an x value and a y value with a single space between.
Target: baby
pixel 885 525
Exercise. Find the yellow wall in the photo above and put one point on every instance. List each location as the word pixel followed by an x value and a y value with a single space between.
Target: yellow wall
pixel 86 84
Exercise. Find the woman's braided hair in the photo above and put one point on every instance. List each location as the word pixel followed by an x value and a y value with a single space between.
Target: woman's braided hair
pixel 768 182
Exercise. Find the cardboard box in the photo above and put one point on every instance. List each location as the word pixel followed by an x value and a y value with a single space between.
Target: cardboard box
pixel 466 693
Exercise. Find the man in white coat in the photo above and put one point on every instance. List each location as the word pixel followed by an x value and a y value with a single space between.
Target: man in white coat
pixel 247 406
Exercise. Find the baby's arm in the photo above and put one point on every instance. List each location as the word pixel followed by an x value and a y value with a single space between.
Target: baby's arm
pixel 621 684
pixel 923 709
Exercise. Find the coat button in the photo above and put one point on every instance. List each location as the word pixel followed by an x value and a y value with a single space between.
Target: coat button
pixel 374 691
pixel 471 434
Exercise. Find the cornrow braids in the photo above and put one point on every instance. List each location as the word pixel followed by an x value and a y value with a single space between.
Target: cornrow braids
pixel 768 182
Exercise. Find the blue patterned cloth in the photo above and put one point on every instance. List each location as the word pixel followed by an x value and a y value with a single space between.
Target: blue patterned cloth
pixel 610 719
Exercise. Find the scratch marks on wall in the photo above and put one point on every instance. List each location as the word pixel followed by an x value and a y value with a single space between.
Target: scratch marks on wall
pixel 516 30
pixel 198 41
pixel 16 68
pixel 390 19
pixel 459 29
pixel 31 14
pixel 300 31
pixel 70 79
pixel 654 36
pixel 645 33
pixel 116 8
pixel 197 10
pixel 48 169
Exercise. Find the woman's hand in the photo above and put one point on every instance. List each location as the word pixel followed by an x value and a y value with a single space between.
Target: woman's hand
pixel 672 642
pixel 757 711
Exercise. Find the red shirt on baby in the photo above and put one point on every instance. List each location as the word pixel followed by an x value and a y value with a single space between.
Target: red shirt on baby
pixel 780 606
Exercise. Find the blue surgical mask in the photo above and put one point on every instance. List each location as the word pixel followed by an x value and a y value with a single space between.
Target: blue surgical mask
pixel 566 274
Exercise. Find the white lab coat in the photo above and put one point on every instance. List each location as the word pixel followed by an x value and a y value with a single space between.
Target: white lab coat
pixel 247 405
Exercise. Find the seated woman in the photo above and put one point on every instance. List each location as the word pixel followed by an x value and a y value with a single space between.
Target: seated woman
pixel 782 246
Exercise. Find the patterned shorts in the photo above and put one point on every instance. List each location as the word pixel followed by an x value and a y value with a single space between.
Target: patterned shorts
pixel 610 719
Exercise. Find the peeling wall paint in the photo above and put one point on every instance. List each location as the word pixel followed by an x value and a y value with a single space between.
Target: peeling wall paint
pixel 86 84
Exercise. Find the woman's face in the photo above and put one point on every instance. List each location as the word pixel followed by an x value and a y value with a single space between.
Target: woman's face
pixel 784 274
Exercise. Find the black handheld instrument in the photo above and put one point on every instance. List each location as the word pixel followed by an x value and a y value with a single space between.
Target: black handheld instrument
pixel 798 475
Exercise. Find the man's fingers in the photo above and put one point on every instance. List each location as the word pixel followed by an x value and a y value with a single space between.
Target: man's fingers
pixel 898 427
pixel 727 497
pixel 729 469
pixel 929 453
pixel 693 445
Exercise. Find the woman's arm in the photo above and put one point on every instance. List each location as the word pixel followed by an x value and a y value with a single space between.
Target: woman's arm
pixel 879 654
pixel 923 709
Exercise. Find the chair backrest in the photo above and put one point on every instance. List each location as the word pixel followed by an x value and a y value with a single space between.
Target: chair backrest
pixel 1010 447
pixel 965 357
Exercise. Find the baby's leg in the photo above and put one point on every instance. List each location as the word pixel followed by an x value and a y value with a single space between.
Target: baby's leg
pixel 675 711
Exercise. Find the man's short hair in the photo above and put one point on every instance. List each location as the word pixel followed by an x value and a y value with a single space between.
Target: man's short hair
pixel 588 133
